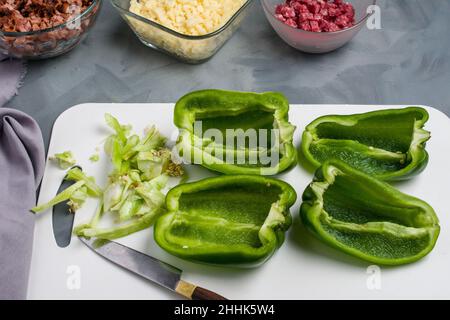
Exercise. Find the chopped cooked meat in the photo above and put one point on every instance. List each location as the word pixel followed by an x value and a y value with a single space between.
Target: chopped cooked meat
pixel 34 15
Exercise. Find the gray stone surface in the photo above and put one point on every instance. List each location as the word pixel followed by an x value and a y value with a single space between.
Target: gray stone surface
pixel 406 62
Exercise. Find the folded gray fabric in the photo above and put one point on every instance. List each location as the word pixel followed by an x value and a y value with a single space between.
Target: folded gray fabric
pixel 22 159
pixel 11 75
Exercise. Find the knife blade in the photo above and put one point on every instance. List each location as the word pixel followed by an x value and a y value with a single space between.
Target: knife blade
pixel 149 268
pixel 62 218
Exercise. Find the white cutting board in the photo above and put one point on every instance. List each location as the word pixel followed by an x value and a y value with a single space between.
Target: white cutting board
pixel 303 268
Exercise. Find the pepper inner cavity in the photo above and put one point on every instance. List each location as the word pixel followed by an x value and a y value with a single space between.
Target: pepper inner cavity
pixel 231 214
pixel 252 135
pixel 376 131
pixel 254 120
pixel 374 145
pixel 350 201
pixel 384 246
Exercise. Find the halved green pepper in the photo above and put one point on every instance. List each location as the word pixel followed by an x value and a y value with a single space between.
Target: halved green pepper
pixel 389 144
pixel 209 119
pixel 367 218
pixel 233 220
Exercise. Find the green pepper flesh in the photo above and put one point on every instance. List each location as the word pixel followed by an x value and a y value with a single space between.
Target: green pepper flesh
pixel 389 144
pixel 233 220
pixel 229 110
pixel 367 218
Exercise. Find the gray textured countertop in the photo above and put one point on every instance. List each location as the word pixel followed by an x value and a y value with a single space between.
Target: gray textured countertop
pixel 406 62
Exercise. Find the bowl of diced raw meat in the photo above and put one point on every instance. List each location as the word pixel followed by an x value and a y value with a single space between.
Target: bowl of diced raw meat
pixel 318 26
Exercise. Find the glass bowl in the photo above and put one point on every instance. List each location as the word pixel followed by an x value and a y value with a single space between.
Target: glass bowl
pixel 51 42
pixel 317 42
pixel 187 48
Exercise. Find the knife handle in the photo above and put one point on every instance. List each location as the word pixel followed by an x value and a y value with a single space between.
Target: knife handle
pixel 193 292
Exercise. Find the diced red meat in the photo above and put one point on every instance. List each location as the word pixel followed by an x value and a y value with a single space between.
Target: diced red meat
pixel 304 16
pixel 280 17
pixel 291 22
pixel 305 26
pixel 333 27
pixel 315 26
pixel 288 12
pixel 316 15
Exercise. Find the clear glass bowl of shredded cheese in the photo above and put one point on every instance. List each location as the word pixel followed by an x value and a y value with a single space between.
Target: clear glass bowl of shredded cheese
pixel 190 30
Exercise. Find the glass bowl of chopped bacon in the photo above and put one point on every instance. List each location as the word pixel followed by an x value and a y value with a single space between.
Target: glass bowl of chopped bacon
pixel 318 26
pixel 40 29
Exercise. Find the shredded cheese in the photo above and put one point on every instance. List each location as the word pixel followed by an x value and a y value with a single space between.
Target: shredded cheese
pixel 190 17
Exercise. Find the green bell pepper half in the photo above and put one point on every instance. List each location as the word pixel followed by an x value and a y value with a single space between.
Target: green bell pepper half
pixel 389 144
pixel 230 220
pixel 367 218
pixel 222 111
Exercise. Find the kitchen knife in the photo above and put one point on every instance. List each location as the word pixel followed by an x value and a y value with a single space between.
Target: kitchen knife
pixel 149 268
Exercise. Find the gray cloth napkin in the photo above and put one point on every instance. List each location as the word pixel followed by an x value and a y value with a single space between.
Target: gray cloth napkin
pixel 11 75
pixel 22 159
